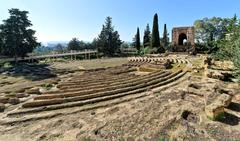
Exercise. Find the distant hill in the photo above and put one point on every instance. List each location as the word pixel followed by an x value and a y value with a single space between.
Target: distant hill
pixel 54 43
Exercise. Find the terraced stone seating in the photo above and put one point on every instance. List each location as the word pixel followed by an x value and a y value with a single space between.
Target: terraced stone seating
pixel 155 65
pixel 138 61
pixel 98 86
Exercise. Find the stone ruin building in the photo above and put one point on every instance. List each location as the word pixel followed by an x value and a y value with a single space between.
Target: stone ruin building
pixel 183 39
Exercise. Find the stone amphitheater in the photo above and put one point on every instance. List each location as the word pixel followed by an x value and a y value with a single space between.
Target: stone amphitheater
pixel 148 98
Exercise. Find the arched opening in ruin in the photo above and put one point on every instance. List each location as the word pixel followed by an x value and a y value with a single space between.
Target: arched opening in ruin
pixel 182 39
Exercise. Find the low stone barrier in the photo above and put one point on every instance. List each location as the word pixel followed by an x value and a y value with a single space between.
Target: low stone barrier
pixel 215 110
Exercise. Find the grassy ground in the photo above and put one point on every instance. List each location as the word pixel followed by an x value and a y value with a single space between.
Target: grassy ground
pixel 177 67
pixel 24 76
pixel 89 64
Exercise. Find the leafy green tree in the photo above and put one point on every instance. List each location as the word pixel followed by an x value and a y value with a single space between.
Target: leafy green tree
pixel 221 36
pixel 226 45
pixel 59 48
pixel 155 35
pixel 209 31
pixel 236 58
pixel 74 44
pixel 82 45
pixel 108 41
pixel 147 37
pixel 94 44
pixel 16 37
pixel 89 46
pixel 165 39
pixel 231 50
pixel 233 24
pixel 125 45
pixel 1 43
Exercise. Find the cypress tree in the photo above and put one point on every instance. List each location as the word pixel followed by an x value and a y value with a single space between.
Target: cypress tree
pixel 155 32
pixel 155 35
pixel 138 44
pixel 165 36
pixel 147 37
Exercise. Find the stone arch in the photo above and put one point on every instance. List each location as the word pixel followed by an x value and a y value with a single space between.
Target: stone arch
pixel 182 39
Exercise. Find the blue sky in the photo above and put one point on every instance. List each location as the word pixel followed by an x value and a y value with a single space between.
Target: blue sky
pixel 56 20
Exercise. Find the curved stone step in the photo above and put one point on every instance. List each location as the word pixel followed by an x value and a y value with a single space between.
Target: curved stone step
pixel 144 86
pixel 81 103
pixel 106 83
pixel 111 87
pixel 93 81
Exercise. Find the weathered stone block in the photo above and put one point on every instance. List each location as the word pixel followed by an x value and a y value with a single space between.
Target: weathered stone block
pixel 225 99
pixel 21 95
pixel 2 107
pixel 214 110
pixel 4 100
pixel 33 91
pixel 14 101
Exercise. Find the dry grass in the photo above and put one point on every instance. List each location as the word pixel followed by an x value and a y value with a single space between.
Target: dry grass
pixel 90 64
pixel 17 83
pixel 177 67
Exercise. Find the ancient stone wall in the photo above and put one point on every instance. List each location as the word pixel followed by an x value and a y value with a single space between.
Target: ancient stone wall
pixel 183 39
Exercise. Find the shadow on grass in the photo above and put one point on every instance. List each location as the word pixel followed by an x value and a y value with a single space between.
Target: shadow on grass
pixel 230 119
pixel 30 71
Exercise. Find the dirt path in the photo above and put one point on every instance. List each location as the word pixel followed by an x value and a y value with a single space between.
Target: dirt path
pixel 154 117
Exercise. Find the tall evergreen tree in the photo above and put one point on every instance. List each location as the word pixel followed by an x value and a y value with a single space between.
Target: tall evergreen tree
pixel 138 42
pixel 108 41
pixel 17 39
pixel 74 44
pixel 155 32
pixel 147 37
pixel 165 39
pixel 101 41
pixel 155 35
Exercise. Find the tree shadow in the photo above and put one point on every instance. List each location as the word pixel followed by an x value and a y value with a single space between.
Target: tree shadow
pixel 230 119
pixel 30 71
pixel 234 107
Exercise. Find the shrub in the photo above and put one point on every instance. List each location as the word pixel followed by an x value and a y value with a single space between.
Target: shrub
pixel 47 86
pixel 7 65
pixel 237 58
pixel 144 51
